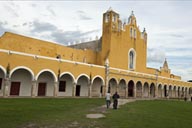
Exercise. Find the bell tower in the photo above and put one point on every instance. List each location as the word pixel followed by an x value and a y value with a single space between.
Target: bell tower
pixel 110 24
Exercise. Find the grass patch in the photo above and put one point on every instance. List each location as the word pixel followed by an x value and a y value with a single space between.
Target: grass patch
pixel 151 114
pixel 71 113
pixel 45 112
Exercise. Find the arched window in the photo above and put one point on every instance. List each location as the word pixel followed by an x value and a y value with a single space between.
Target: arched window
pixel 114 18
pixel 132 59
pixel 135 34
pixel 131 31
pixel 107 18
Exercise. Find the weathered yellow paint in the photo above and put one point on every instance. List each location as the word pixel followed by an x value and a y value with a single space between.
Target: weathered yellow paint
pixel 116 44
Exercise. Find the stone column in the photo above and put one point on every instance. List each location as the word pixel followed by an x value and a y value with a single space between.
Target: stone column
pixel 126 91
pixel 134 92
pixel 142 91
pixel 89 89
pixel 149 94
pixel 74 89
pixel 167 92
pixel 55 93
pixel 7 84
pixel 176 93
pixel 156 91
pixel 34 88
pixel 106 76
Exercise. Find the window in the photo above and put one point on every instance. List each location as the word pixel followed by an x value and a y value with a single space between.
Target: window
pixel 0 83
pixel 62 86
pixel 132 59
pixel 135 34
pixel 114 18
pixel 107 18
pixel 131 30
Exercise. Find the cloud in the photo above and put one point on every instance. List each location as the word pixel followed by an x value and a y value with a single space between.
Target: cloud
pixel 82 15
pixel 176 35
pixel 49 8
pixel 47 30
pixel 39 27
pixel 12 9
pixel 156 55
pixel 70 36
pixel 3 27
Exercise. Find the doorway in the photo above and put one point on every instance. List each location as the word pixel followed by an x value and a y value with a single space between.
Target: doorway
pixel 42 89
pixel 78 89
pixel 15 87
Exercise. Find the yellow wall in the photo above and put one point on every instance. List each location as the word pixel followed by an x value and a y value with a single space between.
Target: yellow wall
pixel 10 41
pixel 116 44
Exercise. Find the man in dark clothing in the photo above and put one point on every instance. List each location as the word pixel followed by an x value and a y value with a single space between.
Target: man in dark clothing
pixel 115 100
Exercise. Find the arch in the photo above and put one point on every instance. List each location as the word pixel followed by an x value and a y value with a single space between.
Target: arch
pixel 152 90
pixel 190 91
pixel 47 70
pixel 97 86
pixel 21 82
pixel 122 88
pixel 178 91
pixel 2 76
pixel 182 92
pixel 67 73
pixel 186 89
pixel 98 76
pixel 66 84
pixel 81 76
pixel 3 69
pixel 131 59
pixel 22 67
pixel 160 91
pixel 170 91
pixel 45 82
pixel 146 90
pixel 139 89
pixel 165 91
pixel 82 85
pixel 174 92
pixel 131 88
pixel 112 87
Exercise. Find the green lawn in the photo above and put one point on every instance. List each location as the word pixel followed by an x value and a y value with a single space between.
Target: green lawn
pixel 151 114
pixel 71 113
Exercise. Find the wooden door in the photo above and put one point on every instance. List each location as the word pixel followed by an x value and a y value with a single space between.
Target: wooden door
pixel 15 88
pixel 78 89
pixel 42 89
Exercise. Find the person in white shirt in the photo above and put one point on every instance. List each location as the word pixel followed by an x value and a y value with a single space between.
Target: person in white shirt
pixel 108 99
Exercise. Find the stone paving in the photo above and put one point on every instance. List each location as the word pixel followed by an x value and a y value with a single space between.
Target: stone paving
pixel 102 109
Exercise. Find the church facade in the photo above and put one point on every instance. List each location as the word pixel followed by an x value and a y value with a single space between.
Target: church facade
pixel 116 62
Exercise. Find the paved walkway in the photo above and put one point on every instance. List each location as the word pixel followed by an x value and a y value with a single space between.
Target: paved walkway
pixel 100 111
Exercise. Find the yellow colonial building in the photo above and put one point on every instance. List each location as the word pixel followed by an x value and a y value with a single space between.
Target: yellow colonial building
pixel 115 62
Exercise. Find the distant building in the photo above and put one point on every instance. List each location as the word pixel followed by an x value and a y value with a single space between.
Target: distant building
pixel 115 62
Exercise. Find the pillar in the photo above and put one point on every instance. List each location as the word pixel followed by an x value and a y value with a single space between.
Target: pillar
pixel 126 92
pixel 33 88
pixel 134 91
pixel 156 91
pixel 142 91
pixel 55 93
pixel 89 89
pixel 7 84
pixel 74 89
pixel 167 92
pixel 149 94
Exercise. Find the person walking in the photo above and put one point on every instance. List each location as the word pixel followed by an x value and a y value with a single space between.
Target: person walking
pixel 115 100
pixel 108 99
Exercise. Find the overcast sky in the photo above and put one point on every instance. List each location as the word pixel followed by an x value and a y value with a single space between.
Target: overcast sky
pixel 168 24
